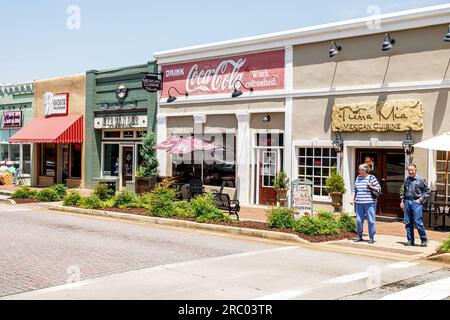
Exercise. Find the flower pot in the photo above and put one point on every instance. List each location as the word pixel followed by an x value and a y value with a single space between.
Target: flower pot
pixel 336 200
pixel 144 184
pixel 281 197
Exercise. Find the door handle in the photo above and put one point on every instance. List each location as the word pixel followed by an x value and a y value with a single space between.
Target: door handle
pixel 384 180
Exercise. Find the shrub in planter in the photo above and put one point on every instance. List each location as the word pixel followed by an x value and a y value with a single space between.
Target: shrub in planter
pixel 316 227
pixel 445 247
pixel 24 192
pixel 336 188
pixel 124 198
pixel 280 218
pixel 160 200
pixel 60 189
pixel 183 209
pixel 72 200
pixel 205 210
pixel 326 215
pixel 347 223
pixel 91 202
pixel 47 195
pixel 103 192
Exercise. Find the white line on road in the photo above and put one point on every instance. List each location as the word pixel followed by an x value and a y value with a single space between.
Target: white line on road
pixel 401 265
pixel 347 278
pixel 436 290
pixel 285 295
pixel 14 210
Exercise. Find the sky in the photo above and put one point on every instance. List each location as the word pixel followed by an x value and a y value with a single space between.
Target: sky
pixel 48 38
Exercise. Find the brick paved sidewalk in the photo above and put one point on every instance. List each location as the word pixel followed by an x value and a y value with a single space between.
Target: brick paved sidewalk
pixel 383 228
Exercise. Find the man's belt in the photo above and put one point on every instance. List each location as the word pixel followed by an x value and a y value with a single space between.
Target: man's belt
pixel 412 198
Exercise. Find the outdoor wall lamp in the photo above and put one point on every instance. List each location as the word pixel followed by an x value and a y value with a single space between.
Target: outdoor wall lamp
pixel 237 92
pixel 387 43
pixel 334 49
pixel 447 35
pixel 266 118
pixel 173 98
pixel 408 143
pixel 338 143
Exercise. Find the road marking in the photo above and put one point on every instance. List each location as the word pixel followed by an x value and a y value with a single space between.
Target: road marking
pixel 285 295
pixel 347 278
pixel 436 290
pixel 401 265
pixel 15 210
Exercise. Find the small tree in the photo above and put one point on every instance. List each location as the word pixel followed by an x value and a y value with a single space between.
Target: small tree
pixel 281 181
pixel 149 166
pixel 335 182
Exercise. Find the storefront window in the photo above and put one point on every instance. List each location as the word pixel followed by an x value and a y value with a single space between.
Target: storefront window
pixel 440 174
pixel 14 152
pixel 112 134
pixel 75 164
pixel 48 167
pixel 111 160
pixel 217 167
pixel 140 159
pixel 26 158
pixel 4 153
pixel 315 164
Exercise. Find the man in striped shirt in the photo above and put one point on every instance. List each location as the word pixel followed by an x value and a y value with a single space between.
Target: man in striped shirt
pixel 366 204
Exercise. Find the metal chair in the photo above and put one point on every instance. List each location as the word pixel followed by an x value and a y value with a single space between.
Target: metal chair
pixel 195 187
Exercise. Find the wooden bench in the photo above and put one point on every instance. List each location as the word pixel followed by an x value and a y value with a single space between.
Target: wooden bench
pixel 223 202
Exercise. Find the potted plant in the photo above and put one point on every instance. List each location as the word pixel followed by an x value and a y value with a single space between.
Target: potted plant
pixel 281 185
pixel 147 173
pixel 336 188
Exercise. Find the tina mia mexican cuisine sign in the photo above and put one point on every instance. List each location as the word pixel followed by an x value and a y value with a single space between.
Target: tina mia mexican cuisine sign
pixel 394 115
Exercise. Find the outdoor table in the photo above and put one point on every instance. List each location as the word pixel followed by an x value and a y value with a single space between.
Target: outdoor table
pixel 441 208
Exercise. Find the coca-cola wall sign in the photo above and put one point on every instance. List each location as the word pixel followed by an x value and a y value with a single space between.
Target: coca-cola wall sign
pixel 260 71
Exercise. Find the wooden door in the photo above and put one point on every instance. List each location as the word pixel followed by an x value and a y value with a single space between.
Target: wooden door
pixel 388 166
pixel 268 168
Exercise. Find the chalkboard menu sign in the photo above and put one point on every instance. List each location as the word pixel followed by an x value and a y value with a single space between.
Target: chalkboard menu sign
pixel 302 197
pixel 151 83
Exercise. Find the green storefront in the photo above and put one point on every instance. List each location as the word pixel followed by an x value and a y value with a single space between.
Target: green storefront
pixel 118 113
pixel 16 110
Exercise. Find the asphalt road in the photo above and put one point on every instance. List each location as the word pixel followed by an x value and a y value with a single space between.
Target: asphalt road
pixel 51 255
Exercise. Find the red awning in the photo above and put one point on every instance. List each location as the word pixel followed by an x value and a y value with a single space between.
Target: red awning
pixel 67 129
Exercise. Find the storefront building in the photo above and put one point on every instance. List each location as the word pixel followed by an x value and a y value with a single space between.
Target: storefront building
pixel 16 111
pixel 345 94
pixel 119 112
pixel 56 131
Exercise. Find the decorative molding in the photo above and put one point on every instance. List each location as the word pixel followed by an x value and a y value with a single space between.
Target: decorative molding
pixel 402 20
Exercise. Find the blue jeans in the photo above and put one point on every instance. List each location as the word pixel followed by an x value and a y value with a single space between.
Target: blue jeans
pixel 413 215
pixel 369 210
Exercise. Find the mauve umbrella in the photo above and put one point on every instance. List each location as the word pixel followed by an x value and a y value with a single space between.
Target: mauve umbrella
pixel 191 144
pixel 168 144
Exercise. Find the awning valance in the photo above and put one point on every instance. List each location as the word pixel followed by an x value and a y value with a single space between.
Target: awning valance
pixel 67 129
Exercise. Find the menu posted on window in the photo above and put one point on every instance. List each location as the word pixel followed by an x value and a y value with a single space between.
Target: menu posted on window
pixel 302 198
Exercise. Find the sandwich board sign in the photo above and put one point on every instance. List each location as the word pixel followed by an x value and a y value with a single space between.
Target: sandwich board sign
pixel 302 197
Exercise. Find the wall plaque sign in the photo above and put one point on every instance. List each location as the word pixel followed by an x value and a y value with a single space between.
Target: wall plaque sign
pixel 151 83
pixel 393 115
pixel 56 104
pixel 120 122
pixel 12 119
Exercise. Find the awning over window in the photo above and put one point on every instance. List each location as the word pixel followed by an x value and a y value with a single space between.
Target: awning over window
pixel 67 129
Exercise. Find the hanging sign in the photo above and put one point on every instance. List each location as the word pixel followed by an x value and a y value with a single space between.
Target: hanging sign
pixel 151 83
pixel 12 119
pixel 302 197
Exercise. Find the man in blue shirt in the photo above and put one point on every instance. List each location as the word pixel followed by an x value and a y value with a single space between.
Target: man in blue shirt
pixel 415 192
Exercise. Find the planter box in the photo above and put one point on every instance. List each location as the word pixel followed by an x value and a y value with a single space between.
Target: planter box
pixel 144 184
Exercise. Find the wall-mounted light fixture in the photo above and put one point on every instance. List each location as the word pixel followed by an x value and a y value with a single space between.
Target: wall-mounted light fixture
pixel 173 98
pixel 266 118
pixel 334 49
pixel 408 143
pixel 447 35
pixel 338 143
pixel 236 92
pixel 387 42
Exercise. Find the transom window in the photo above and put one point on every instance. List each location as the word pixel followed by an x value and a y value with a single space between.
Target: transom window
pixel 440 174
pixel 315 164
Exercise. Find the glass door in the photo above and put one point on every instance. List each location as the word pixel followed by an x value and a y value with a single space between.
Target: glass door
pixel 127 164
pixel 269 166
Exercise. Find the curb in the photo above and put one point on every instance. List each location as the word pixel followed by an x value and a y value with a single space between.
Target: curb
pixel 442 258
pixel 10 201
pixel 273 235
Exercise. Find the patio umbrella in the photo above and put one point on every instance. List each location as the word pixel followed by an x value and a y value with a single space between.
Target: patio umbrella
pixel 441 143
pixel 168 144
